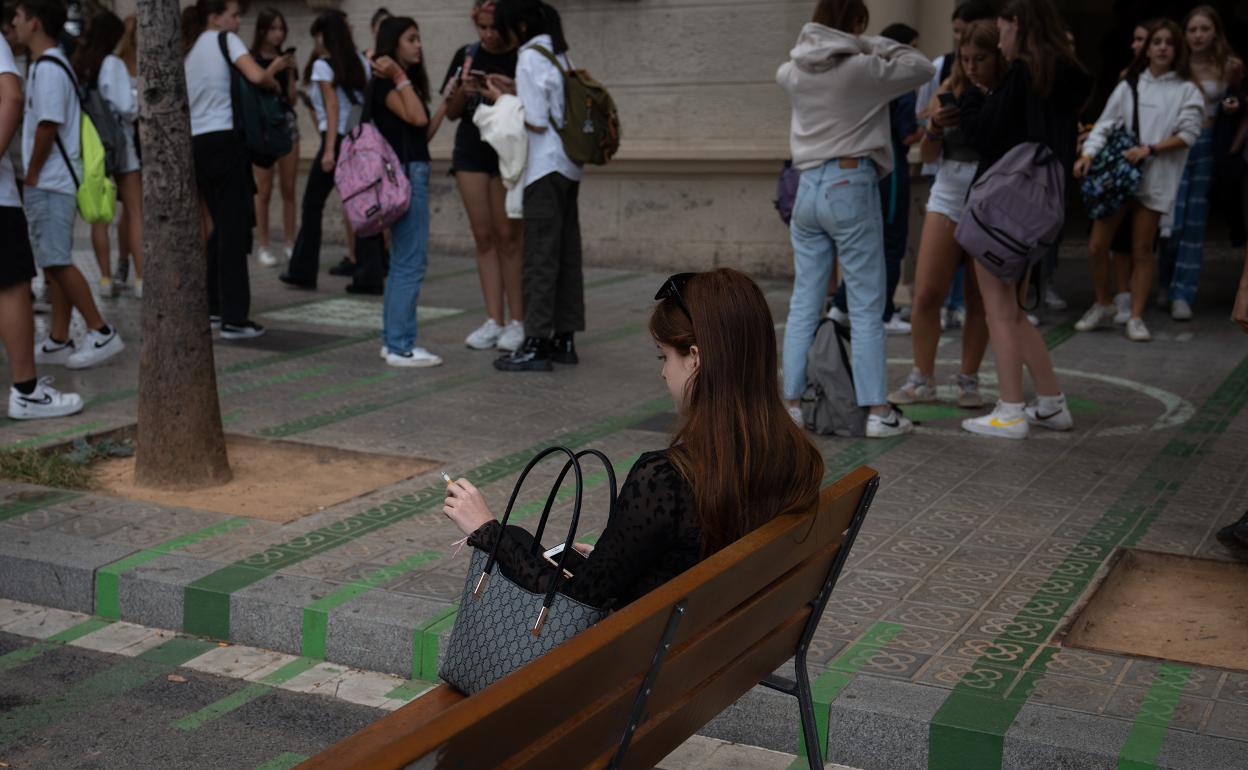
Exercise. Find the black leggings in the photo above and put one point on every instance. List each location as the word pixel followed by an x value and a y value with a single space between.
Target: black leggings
pixel 223 175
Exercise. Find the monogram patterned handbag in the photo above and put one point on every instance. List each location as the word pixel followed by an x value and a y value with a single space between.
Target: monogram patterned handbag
pixel 502 625
pixel 1111 178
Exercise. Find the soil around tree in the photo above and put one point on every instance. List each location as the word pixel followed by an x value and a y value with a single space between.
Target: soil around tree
pixel 273 480
pixel 1171 607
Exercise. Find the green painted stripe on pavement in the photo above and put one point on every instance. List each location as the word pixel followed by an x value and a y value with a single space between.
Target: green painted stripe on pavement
pixel 857 455
pixel 93 691
pixel 16 658
pixel 251 692
pixel 429 640
pixel 280 358
pixel 1059 334
pixel 283 761
pixel 410 690
pixel 841 669
pixel 298 374
pixel 316 614
pixel 1148 731
pixel 34 502
pixel 334 390
pixel 321 419
pixel 107 600
pixel 59 434
pixel 206 608
pixel 969 727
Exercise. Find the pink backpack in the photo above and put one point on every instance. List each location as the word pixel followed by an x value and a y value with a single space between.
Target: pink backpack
pixel 373 185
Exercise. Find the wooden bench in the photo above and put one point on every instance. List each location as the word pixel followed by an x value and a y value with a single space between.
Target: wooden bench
pixel 628 691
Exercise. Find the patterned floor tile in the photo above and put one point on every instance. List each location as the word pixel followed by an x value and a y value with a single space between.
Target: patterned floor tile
pixel 945 619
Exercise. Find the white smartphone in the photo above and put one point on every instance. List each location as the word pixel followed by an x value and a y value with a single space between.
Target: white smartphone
pixel 552 554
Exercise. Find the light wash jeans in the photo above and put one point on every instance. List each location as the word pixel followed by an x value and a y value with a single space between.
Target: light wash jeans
pixel 837 212
pixel 409 256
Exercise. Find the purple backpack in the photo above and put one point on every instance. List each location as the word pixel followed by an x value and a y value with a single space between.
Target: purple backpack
pixel 1015 211
pixel 786 190
pixel 374 188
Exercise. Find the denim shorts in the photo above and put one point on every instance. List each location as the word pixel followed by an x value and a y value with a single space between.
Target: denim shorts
pixel 948 195
pixel 50 219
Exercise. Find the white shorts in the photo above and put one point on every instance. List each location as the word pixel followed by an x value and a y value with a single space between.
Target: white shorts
pixel 949 188
pixel 129 152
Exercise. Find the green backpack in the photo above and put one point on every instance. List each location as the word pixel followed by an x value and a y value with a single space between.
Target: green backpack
pixel 97 195
pixel 259 117
pixel 591 126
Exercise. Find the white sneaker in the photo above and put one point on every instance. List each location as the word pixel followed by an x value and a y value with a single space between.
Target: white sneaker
pixel 895 424
pixel 1033 319
pixel 1180 310
pixel 248 330
pixel 214 321
pixel 45 401
pixel 49 352
pixel 96 349
pixel 1053 300
pixel 288 250
pixel 916 390
pixel 485 336
pixel 969 396
pixel 1096 317
pixel 385 351
pixel 1137 331
pixel 107 288
pixel 267 258
pixel 952 318
pixel 895 327
pixel 1055 417
pixel 795 412
pixel 512 336
pixel 841 317
pixel 1123 303
pixel 137 290
pixel 1006 421
pixel 415 358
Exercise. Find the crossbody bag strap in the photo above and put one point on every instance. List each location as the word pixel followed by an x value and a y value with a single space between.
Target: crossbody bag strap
pixel 1135 100
pixel 73 82
pixel 235 74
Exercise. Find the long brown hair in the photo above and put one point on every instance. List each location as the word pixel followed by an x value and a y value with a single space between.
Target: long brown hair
pixel 128 48
pixel 742 456
pixel 982 34
pixel 104 32
pixel 1222 53
pixel 1042 41
pixel 845 15
pixel 1182 63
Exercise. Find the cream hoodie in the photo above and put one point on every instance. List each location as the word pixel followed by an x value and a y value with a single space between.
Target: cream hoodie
pixel 1169 106
pixel 840 86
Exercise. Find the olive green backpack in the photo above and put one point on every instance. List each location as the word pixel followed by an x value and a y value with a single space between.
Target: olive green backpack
pixel 591 126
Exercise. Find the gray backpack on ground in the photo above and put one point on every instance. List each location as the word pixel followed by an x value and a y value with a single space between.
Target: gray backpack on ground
pixel 1015 211
pixel 829 405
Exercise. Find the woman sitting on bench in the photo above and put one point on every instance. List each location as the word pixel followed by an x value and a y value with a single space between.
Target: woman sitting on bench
pixel 737 460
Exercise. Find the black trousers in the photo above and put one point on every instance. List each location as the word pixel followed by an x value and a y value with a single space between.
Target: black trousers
pixel 223 175
pixel 554 282
pixel 305 258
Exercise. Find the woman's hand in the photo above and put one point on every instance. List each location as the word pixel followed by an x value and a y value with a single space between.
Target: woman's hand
pixel 384 66
pixel 465 505
pixel 945 117
pixel 1137 155
pixel 1081 167
pixel 502 83
pixel 327 160
pixel 490 89
pixel 584 549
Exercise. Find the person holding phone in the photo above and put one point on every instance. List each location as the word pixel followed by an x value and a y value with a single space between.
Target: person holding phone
pixel 266 48
pixel 717 480
pixel 474 164
pixel 979 64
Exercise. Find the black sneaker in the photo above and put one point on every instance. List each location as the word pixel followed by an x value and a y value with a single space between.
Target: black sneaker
pixel 563 349
pixel 356 289
pixel 287 279
pixel 1235 535
pixel 247 330
pixel 533 356
pixel 345 268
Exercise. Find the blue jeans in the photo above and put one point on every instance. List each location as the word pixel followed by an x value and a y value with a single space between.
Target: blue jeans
pixel 837 211
pixel 409 256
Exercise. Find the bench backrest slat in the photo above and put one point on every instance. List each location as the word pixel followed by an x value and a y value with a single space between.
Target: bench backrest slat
pixel 600 668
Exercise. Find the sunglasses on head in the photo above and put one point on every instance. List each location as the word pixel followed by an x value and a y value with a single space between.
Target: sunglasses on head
pixel 671 288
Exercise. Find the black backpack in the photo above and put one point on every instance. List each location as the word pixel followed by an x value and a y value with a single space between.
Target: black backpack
pixel 259 117
pixel 107 124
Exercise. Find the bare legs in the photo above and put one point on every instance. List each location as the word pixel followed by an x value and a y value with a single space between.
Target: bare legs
pixel 1139 271
pixel 498 243
pixel 68 290
pixel 1015 342
pixel 287 168
pixel 130 187
pixel 938 259
pixel 17 330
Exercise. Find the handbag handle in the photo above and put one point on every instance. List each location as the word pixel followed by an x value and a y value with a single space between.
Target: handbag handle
pixel 554 491
pixel 576 515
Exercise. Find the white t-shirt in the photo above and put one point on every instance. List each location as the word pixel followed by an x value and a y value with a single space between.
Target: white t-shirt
pixel 208 82
pixel 539 84
pixel 50 97
pixel 117 88
pixel 322 72
pixel 8 181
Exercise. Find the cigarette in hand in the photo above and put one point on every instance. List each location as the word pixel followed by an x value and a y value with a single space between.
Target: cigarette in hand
pixel 447 479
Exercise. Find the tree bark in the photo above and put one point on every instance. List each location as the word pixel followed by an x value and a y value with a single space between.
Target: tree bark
pixel 179 441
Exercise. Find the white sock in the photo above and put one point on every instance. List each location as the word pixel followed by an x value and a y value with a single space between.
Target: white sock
pixel 1050 404
pixel 1010 410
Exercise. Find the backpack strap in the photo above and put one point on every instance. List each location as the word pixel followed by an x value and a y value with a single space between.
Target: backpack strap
pixel 554 59
pixel 73 81
pixel 1134 83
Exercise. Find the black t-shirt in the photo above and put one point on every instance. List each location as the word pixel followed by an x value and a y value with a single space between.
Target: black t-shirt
pixel 283 79
pixel 409 142
pixel 467 135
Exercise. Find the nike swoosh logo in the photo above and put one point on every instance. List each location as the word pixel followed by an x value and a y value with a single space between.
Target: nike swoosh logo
pixel 99 345
pixel 998 423
pixel 38 401
pixel 1047 416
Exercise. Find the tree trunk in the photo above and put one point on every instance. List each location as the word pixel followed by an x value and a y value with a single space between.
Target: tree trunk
pixel 179 442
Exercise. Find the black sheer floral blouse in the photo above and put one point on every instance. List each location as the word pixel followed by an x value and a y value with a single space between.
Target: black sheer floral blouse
pixel 652 536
